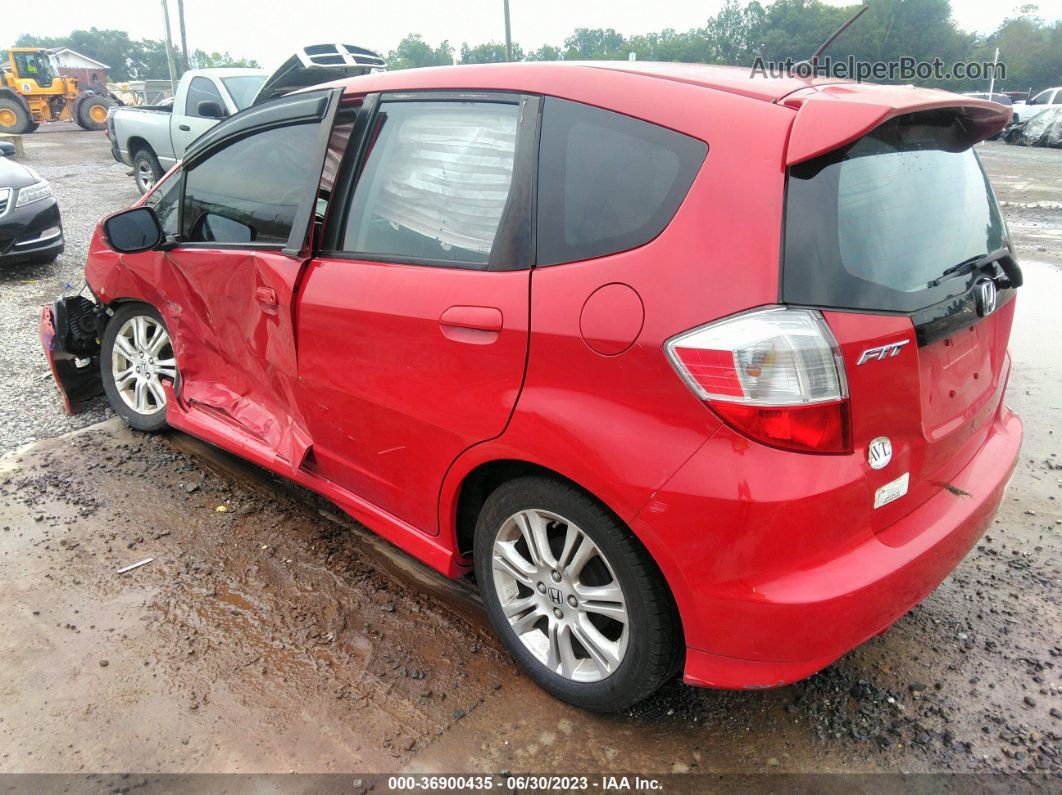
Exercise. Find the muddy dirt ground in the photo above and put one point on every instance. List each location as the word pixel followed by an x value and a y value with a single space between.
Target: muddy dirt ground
pixel 269 634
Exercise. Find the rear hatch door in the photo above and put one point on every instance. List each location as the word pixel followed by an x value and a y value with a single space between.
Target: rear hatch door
pixel 897 236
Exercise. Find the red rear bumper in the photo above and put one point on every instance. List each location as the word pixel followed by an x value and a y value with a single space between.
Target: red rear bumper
pixel 783 622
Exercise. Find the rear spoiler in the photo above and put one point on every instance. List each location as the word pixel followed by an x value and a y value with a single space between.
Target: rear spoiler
pixel 831 116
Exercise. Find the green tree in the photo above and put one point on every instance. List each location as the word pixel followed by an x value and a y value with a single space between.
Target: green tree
pixel 128 59
pixel 491 52
pixel 1030 48
pixel 547 52
pixel 413 52
pixel 586 44
pixel 200 59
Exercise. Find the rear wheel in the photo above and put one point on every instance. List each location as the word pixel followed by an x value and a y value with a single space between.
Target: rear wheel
pixel 92 112
pixel 14 118
pixel 136 355
pixel 573 595
pixel 146 170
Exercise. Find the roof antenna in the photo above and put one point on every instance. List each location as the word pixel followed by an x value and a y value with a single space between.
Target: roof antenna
pixel 813 62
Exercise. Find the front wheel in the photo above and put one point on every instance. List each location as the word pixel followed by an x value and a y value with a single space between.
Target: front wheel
pixel 574 597
pixel 14 118
pixel 136 356
pixel 92 113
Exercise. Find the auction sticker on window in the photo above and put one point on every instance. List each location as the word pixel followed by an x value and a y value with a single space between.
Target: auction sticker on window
pixel 892 490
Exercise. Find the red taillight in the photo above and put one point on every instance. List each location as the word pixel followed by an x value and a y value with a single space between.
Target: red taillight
pixel 819 428
pixel 774 374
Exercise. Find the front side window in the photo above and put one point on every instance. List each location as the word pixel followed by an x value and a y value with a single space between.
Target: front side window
pixel 876 224
pixel 435 182
pixel 250 191
pixel 201 90
pixel 34 66
pixel 1043 98
pixel 607 182
pixel 165 200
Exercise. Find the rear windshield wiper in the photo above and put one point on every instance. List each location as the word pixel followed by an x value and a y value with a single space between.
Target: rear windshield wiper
pixel 1002 256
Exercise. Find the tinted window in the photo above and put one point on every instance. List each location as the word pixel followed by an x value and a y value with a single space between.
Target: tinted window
pixel 164 200
pixel 201 90
pixel 1043 98
pixel 607 182
pixel 257 182
pixel 243 89
pixel 435 183
pixel 872 225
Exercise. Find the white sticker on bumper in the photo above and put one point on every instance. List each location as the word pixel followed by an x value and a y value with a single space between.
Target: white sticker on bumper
pixel 892 491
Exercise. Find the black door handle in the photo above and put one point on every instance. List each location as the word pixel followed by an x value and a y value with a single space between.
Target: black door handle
pixel 183 127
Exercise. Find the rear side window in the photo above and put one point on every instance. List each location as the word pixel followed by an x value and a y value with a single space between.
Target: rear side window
pixel 249 191
pixel 876 224
pixel 607 182
pixel 435 183
pixel 201 90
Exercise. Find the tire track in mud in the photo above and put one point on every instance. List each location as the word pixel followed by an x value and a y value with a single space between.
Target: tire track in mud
pixel 264 608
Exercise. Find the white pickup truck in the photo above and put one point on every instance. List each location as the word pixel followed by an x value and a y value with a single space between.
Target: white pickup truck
pixel 152 138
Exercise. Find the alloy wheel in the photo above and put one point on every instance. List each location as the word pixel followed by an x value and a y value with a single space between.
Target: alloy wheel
pixel 560 595
pixel 145 176
pixel 142 356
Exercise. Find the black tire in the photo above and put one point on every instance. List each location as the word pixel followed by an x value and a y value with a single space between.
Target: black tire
pixel 144 421
pixel 146 170
pixel 14 118
pixel 654 647
pixel 87 107
pixel 32 126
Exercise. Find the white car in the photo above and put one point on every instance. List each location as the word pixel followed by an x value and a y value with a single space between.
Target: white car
pixel 1048 98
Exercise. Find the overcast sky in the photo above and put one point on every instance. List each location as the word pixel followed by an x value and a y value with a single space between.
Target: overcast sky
pixel 269 31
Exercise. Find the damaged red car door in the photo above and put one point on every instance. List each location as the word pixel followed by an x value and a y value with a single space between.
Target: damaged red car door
pixel 413 321
pixel 235 273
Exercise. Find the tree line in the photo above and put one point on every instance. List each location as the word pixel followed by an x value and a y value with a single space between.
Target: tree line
pixel 130 59
pixel 1030 47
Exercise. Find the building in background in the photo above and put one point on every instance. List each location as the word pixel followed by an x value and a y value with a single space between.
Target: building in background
pixel 73 64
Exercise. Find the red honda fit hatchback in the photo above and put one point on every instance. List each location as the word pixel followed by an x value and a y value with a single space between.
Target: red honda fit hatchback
pixel 697 371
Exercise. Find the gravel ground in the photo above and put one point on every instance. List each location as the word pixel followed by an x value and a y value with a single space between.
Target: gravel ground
pixel 88 184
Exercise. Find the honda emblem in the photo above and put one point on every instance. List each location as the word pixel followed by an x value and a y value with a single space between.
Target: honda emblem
pixel 987 295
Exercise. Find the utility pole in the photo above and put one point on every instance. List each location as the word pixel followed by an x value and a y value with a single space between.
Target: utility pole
pixel 184 39
pixel 992 83
pixel 508 34
pixel 169 48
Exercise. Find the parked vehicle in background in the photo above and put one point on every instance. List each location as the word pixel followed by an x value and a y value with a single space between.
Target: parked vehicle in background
pixel 30 226
pixel 571 327
pixel 152 138
pixel 33 92
pixel 1048 98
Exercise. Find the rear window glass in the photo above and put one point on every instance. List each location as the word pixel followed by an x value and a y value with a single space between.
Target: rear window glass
pixel 243 89
pixel 871 226
pixel 607 182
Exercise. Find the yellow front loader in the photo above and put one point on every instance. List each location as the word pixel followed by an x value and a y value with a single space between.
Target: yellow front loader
pixel 32 92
